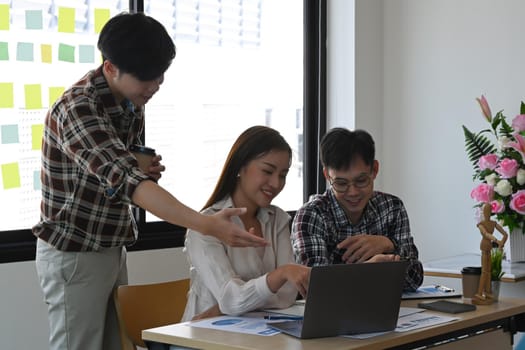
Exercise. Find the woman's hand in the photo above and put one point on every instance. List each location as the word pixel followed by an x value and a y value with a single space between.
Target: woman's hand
pixel 211 312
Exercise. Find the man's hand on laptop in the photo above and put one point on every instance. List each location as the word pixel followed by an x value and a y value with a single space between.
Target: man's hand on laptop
pixel 384 258
pixel 363 247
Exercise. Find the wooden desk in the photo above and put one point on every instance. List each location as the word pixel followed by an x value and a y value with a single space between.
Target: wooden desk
pixel 451 267
pixel 490 317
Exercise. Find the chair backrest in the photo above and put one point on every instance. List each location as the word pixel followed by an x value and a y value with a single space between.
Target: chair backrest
pixel 146 306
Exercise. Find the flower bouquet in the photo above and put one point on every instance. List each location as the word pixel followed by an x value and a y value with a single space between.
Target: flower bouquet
pixel 497 154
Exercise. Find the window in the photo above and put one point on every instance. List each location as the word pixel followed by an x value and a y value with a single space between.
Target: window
pixel 239 63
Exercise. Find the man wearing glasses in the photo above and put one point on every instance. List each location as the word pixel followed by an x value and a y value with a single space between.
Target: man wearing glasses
pixel 350 222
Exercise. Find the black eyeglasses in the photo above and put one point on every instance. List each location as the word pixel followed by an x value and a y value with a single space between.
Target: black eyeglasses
pixel 341 186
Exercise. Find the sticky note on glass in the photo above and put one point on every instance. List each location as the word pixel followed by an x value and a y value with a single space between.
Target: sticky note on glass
pixel 33 96
pixel 4 51
pixel 66 53
pixel 11 175
pixel 34 19
pixel 24 52
pixel 54 93
pixel 86 53
pixel 9 133
pixel 37 183
pixel 101 17
pixel 66 19
pixel 37 132
pixel 4 16
pixel 46 53
pixel 6 95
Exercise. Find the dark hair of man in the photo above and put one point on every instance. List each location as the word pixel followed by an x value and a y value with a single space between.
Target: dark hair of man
pixel 137 44
pixel 340 147
pixel 253 143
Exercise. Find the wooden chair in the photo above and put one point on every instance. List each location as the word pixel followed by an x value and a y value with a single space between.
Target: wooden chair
pixel 146 306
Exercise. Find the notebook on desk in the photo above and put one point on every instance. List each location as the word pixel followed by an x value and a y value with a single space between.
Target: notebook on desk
pixel 350 299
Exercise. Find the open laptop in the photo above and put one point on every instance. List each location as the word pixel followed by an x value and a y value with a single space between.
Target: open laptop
pixel 350 299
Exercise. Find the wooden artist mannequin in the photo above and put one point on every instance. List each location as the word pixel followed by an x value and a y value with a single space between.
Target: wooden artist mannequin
pixel 486 227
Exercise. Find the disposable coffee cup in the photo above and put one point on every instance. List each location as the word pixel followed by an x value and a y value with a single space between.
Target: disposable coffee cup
pixel 144 156
pixel 470 276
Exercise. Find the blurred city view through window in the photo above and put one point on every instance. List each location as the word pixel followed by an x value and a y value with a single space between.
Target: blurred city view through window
pixel 239 63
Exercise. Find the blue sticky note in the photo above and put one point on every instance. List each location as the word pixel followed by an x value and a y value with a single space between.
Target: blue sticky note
pixel 24 52
pixel 4 51
pixel 33 19
pixel 37 184
pixel 86 53
pixel 9 133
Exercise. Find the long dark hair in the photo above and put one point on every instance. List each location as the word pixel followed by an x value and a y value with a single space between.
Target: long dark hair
pixel 253 143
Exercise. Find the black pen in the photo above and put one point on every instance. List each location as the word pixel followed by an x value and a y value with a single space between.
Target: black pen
pixel 282 317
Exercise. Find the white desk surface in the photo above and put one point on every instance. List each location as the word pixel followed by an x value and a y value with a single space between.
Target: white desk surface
pixel 183 334
pixel 451 267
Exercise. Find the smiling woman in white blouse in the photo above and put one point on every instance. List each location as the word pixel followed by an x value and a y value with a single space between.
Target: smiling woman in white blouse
pixel 231 280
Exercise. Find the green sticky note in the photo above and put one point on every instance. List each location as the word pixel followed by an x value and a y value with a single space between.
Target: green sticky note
pixel 45 51
pixel 66 19
pixel 34 19
pixel 4 51
pixel 24 52
pixel 66 53
pixel 37 183
pixel 11 175
pixel 9 133
pixel 33 96
pixel 4 16
pixel 54 93
pixel 37 132
pixel 86 53
pixel 6 95
pixel 101 17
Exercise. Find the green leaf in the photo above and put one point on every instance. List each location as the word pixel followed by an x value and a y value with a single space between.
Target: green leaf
pixel 522 108
pixel 477 145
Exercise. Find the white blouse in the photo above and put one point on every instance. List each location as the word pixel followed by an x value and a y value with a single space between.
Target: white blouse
pixel 235 278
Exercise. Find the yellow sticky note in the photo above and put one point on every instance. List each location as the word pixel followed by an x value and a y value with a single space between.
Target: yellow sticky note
pixel 45 51
pixel 11 175
pixel 66 19
pixel 101 17
pixel 54 93
pixel 33 96
pixel 4 16
pixel 6 95
pixel 37 132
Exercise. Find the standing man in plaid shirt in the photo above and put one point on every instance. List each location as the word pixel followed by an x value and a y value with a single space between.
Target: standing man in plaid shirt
pixel 90 179
pixel 350 222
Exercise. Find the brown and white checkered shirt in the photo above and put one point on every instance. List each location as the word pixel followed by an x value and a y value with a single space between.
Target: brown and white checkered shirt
pixel 88 175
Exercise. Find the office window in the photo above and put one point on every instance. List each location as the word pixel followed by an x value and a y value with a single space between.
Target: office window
pixel 45 46
pixel 239 63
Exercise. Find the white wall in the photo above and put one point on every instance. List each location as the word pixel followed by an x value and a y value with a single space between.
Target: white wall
pixel 23 315
pixel 435 57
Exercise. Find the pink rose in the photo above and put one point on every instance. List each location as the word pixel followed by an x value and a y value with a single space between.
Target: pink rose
pixel 517 203
pixel 507 168
pixel 483 193
pixel 488 161
pixel 497 206
pixel 518 123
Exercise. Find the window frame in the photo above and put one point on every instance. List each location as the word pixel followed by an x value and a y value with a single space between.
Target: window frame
pixel 20 245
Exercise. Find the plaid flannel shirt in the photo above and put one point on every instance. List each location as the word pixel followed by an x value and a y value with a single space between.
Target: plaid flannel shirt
pixel 88 175
pixel 321 224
